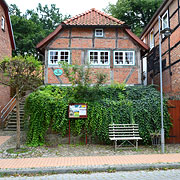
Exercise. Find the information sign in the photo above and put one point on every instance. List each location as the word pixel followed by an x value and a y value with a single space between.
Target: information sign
pixel 77 110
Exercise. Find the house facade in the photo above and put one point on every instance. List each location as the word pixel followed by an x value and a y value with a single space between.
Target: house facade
pixel 7 44
pixel 169 13
pixel 102 41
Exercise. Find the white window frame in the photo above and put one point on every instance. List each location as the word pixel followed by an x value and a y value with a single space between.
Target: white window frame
pixel 166 13
pixel 99 58
pixel 163 27
pixel 151 41
pixel 2 23
pixel 97 35
pixel 124 56
pixel 59 54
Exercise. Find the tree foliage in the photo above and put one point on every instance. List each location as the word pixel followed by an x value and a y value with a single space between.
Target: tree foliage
pixel 32 26
pixel 22 73
pixel 80 75
pixel 135 13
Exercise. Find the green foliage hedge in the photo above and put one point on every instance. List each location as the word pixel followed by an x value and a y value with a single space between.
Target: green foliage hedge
pixel 48 108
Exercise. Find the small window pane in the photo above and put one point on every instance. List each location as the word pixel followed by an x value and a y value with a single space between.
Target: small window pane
pixel 104 59
pixel 129 58
pixel 64 56
pixel 53 57
pixel 93 57
pixel 118 57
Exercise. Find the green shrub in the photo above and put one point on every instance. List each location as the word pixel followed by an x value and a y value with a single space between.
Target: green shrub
pixel 48 108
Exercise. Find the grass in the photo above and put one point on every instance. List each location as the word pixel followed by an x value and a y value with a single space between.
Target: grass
pixel 82 172
pixel 17 151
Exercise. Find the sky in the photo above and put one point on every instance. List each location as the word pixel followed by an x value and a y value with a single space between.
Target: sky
pixel 72 7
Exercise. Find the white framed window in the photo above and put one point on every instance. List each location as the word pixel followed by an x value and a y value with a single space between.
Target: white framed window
pixel 99 33
pixel 124 57
pixel 2 23
pixel 165 21
pixel 56 56
pixel 151 39
pixel 99 57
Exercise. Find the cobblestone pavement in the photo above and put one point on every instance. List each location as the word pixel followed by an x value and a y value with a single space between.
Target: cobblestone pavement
pixel 54 149
pixel 173 174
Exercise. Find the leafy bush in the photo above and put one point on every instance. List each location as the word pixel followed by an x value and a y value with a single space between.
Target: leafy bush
pixel 48 108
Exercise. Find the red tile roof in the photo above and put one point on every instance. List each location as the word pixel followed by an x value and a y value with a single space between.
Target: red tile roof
pixel 137 39
pixel 93 17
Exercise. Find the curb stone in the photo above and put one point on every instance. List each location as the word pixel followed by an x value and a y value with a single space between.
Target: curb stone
pixel 96 168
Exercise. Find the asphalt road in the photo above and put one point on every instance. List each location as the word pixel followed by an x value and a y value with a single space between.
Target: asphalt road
pixel 173 174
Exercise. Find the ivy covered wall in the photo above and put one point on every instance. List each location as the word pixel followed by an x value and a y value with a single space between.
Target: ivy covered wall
pixel 48 108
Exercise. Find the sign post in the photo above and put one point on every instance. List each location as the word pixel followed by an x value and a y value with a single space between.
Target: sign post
pixel 78 110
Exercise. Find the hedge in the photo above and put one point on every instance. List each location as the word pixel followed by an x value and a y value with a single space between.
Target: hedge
pixel 48 108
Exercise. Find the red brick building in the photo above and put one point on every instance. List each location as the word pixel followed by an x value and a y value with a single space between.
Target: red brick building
pixel 94 37
pixel 7 44
pixel 170 17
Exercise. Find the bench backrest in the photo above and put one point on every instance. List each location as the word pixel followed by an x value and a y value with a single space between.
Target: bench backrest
pixel 123 130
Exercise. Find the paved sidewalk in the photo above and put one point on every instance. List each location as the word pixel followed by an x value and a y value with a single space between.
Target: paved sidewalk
pixel 3 139
pixel 90 163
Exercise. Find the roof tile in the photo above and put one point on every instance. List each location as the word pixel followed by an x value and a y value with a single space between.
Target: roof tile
pixel 93 17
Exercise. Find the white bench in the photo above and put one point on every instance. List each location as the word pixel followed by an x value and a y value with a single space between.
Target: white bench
pixel 124 132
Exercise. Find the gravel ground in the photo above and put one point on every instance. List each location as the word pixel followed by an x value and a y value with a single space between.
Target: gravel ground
pixel 63 150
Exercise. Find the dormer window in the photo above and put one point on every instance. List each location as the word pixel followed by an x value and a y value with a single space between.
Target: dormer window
pixel 98 32
pixel 2 23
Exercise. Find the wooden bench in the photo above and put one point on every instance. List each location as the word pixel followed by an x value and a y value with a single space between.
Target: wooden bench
pixel 124 132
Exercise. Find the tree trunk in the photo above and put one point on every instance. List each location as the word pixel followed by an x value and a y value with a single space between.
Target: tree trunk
pixel 18 119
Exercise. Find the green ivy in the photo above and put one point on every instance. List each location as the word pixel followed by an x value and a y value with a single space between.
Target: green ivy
pixel 48 108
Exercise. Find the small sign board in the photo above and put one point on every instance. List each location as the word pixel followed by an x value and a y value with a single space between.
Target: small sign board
pixel 77 110
pixel 58 72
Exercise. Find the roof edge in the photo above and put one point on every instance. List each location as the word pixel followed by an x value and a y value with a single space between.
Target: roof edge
pixel 137 39
pixel 49 37
pixel 95 10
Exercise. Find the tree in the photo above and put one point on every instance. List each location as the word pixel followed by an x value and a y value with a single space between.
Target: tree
pixel 33 26
pixel 81 77
pixel 21 73
pixel 135 13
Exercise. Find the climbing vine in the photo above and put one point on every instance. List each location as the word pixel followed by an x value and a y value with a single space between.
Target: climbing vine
pixel 48 108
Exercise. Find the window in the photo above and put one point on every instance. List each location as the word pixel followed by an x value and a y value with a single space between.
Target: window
pixel 99 57
pixel 56 56
pixel 165 22
pixel 124 58
pixel 151 39
pixel 98 32
pixel 2 23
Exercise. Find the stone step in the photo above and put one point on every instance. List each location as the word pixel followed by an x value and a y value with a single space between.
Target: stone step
pixel 11 125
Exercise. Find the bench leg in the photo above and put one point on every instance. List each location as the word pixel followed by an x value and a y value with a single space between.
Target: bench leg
pixel 136 144
pixel 115 145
